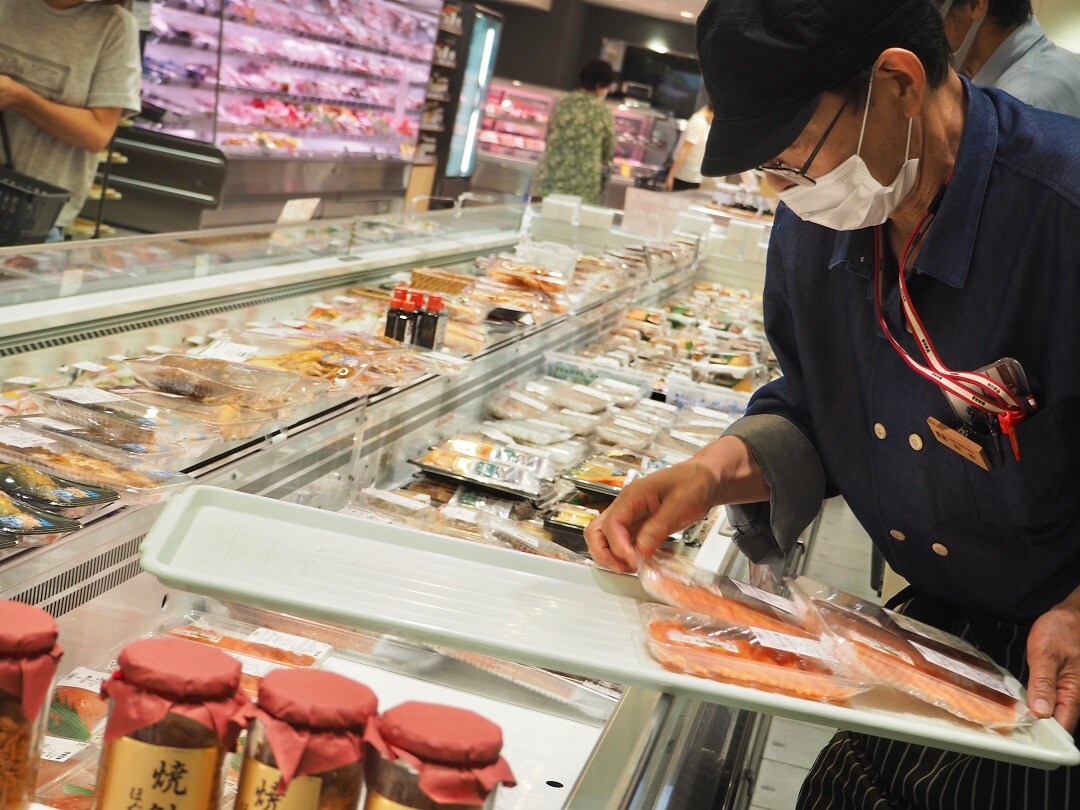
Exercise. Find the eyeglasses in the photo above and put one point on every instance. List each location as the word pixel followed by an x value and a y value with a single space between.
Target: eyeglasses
pixel 799 176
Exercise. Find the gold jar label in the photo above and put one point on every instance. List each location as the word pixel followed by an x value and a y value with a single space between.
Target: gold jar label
pixel 376 801
pixel 140 776
pixel 259 789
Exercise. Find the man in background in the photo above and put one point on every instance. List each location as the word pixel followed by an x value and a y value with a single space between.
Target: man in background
pixel 999 43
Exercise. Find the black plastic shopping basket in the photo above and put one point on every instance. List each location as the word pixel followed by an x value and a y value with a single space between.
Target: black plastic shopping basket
pixel 28 206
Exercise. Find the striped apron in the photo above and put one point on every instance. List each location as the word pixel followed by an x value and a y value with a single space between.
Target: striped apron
pixel 860 772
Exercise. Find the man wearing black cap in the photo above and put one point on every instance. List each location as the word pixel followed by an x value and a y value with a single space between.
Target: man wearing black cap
pixel 943 403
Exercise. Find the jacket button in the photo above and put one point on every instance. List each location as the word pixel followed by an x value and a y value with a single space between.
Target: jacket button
pixel 879 431
pixel 915 440
pixel 940 550
pixel 896 534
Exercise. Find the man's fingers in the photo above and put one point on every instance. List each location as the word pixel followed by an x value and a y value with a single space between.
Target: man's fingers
pixel 1042 683
pixel 1067 711
pixel 658 527
pixel 598 547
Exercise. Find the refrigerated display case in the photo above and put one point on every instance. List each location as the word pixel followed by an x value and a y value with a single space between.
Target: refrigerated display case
pixel 461 72
pixel 512 137
pixel 152 293
pixel 315 99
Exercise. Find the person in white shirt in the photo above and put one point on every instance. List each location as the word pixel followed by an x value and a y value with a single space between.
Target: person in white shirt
pixel 999 43
pixel 685 172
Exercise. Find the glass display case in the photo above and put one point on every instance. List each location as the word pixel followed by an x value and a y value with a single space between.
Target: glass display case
pixel 515 120
pixel 644 139
pixel 320 77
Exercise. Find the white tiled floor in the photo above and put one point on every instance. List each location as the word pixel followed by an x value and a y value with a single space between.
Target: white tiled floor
pixel 841 557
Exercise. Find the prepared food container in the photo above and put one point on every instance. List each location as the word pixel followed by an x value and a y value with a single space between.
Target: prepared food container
pixel 139 455
pixel 484 448
pixel 624 431
pixel 231 422
pixel 534 431
pixel 59 457
pixel 219 382
pixel 20 520
pixel 772 660
pixel 26 485
pixel 500 476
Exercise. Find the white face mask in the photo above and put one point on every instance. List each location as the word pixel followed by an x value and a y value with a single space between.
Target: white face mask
pixel 849 198
pixel 961 53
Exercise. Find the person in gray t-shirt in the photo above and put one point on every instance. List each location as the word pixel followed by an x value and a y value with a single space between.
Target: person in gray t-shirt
pixel 69 71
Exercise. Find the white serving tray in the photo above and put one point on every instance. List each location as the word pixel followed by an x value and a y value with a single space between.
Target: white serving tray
pixel 565 617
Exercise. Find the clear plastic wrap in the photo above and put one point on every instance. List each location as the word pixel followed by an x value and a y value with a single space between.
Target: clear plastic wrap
pixel 24 484
pixel 231 422
pixel 219 382
pixel 140 455
pixel 514 404
pixel 581 423
pixel 111 417
pixel 19 520
pixel 534 431
pixel 623 431
pixel 676 581
pixel 561 394
pixel 78 711
pixel 58 457
pixel 746 655
pixel 602 475
pixel 485 449
pixel 929 664
pixel 292 351
pixel 529 538
pixel 624 394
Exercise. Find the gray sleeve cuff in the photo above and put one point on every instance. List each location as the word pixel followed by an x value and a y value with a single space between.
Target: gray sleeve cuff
pixel 766 532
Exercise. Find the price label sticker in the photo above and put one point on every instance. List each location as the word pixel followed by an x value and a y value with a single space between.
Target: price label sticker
pixel 84 395
pixel 157 348
pixel 255 667
pixel 394 498
pixel 653 404
pixel 70 281
pixel 810 648
pixel 83 678
pixel 294 324
pixel 704 641
pixel 617 385
pixel 225 349
pixel 532 403
pixel 13 437
pixel 460 513
pixel 987 679
pixel 290 642
pixel 689 438
pixel 92 368
pixel 52 424
pixel 775 600
pixel 301 209
pixel 497 435
pixel 55 749
pixel 710 413
pixel 202 265
pixel 539 388
pixel 579 415
pixel 637 427
pixel 22 381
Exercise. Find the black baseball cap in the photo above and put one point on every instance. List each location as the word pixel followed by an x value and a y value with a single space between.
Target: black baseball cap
pixel 767 62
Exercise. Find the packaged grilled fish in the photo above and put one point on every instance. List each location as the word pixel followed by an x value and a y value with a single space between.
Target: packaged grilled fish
pixel 479 500
pixel 20 519
pixel 57 495
pixel 888 649
pixel 111 417
pixel 514 404
pixel 139 455
pixel 745 655
pixel 231 422
pixel 581 423
pixel 622 431
pixel 571 395
pixel 624 394
pixel 291 350
pixel 395 504
pixel 602 475
pixel 534 431
pixel 78 710
pixel 59 457
pixel 484 448
pixel 220 382
pixel 529 538
pixel 504 477
pixel 676 581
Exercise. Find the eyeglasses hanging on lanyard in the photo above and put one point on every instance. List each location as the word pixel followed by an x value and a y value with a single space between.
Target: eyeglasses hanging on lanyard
pixel 978 390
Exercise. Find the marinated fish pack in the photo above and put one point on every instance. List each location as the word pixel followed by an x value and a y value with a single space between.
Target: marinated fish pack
pixel 676 581
pixel 19 520
pixel 746 655
pixel 931 665
pixel 21 482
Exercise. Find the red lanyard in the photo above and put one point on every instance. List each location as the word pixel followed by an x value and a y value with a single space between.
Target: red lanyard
pixel 978 390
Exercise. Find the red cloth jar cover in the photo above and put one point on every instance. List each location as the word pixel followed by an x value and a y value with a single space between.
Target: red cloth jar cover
pixel 162 675
pixel 455 751
pixel 28 654
pixel 314 720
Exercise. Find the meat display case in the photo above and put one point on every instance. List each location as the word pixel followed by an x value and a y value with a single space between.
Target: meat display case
pixel 640 753
pixel 515 118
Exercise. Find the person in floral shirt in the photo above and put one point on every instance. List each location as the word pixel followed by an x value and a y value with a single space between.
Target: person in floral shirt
pixel 580 139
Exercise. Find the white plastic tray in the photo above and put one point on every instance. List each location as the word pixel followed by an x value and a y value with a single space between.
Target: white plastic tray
pixel 569 618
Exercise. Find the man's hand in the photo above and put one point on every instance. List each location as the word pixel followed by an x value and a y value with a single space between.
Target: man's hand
pixel 1053 654
pixel 11 92
pixel 652 508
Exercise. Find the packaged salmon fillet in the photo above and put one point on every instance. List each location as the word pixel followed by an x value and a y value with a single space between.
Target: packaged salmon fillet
pixel 676 581
pixel 78 710
pixel 249 641
pixel 921 661
pixel 783 662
